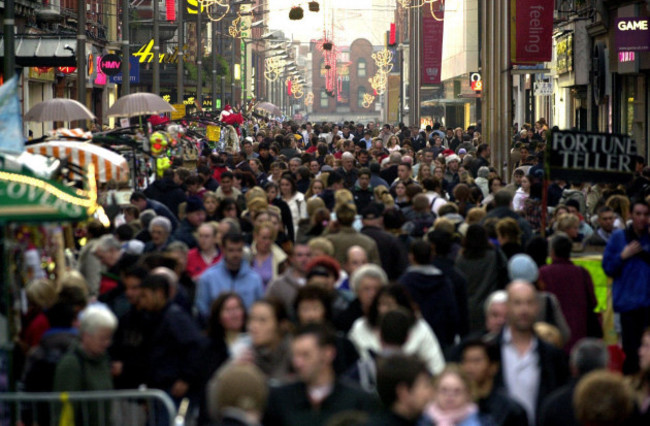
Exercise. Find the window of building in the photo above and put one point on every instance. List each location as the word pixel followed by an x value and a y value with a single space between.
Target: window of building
pixel 324 99
pixel 361 68
pixel 360 94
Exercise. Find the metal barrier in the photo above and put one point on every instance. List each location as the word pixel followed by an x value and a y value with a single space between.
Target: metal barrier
pixel 101 408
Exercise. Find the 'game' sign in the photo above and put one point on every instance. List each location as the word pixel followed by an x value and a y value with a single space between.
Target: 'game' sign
pixel 591 157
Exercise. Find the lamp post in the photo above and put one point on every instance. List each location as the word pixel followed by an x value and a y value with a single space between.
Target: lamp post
pixel 180 66
pixel 156 48
pixel 9 54
pixel 81 51
pixel 126 55
pixel 199 59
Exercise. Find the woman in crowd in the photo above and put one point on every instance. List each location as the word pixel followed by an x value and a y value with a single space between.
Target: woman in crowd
pixel 485 268
pixel 521 195
pixel 160 229
pixel 211 204
pixel 268 260
pixel 272 195
pixel 270 349
pixel 401 198
pixel 294 199
pixel 421 341
pixel 424 172
pixel 453 404
pixel 227 322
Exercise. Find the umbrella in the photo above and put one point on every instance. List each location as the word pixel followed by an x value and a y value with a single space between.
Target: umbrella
pixel 269 107
pixel 109 165
pixel 139 104
pixel 59 109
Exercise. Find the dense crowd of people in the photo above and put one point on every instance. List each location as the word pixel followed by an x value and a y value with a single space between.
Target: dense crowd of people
pixel 358 274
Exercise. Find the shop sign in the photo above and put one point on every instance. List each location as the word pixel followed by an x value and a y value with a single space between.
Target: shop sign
pixel 28 198
pixel 632 34
pixel 134 72
pixel 532 31
pixel 592 157
pixel 145 54
pixel 543 88
pixel 179 111
pixel 110 64
pixel 476 81
pixel 41 73
pixel 626 56
pixel 66 70
pixel 564 54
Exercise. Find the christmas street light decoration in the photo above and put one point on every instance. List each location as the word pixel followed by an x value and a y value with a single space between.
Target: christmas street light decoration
pixel 273 68
pixel 368 99
pixel 309 99
pixel 216 10
pixel 378 83
pixel 384 61
pixel 435 6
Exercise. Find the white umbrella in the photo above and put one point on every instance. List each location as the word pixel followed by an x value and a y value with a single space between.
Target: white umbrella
pixel 59 109
pixel 269 107
pixel 139 104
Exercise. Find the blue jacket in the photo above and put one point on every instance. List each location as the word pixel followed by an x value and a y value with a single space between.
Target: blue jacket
pixel 217 279
pixel 631 289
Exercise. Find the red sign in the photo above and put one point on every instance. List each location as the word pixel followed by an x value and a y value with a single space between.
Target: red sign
pixel 431 54
pixel 531 31
pixel 170 9
pixel 392 38
pixel 67 70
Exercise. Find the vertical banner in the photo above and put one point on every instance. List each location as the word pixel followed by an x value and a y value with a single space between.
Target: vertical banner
pixel 431 51
pixel 11 125
pixel 531 31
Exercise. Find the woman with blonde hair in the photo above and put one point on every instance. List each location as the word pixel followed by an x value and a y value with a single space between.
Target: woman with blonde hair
pixel 424 172
pixel 621 206
pixel 268 259
pixel 393 144
pixel 316 187
pixel 453 403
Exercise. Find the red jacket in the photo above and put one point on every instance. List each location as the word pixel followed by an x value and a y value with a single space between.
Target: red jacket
pixel 196 265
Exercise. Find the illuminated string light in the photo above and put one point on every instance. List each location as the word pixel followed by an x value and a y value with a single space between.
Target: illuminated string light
pixel 309 99
pixel 273 68
pixel 368 99
pixel 435 6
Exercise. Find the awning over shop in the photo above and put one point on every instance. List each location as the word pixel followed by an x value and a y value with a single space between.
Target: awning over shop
pixel 44 51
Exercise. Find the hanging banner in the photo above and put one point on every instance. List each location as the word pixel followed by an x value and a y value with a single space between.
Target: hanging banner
pixel 11 124
pixel 531 31
pixel 592 157
pixel 431 53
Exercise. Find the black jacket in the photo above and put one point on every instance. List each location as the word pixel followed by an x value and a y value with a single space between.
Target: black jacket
pixel 175 349
pixel 389 174
pixel 459 283
pixel 501 410
pixel 130 346
pixel 503 212
pixel 362 197
pixel 554 369
pixel 166 192
pixel 185 234
pixel 344 321
pixel 433 292
pixel 557 408
pixel 289 405
pixel 393 259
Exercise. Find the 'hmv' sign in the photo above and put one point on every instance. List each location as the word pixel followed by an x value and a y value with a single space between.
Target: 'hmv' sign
pixel 110 64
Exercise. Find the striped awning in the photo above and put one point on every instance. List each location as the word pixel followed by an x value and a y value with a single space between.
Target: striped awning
pixel 108 164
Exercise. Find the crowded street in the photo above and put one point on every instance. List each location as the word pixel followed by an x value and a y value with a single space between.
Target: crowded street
pixel 260 212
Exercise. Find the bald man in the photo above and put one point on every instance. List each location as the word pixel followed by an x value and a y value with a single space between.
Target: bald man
pixel 355 258
pixel 530 368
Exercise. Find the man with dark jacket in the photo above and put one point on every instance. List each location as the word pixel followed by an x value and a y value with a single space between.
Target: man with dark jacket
pixel 482 159
pixel 389 174
pixel 335 181
pixel 175 342
pixel 502 209
pixel 393 258
pixel 433 293
pixel 318 394
pixel 587 355
pixel 194 217
pixel 166 191
pixel 441 243
pixel 140 200
pixel 530 368
pixel 480 362
pixel 209 182
pixel 363 194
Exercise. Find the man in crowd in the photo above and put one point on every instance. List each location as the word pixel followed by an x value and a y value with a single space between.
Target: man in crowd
pixel 318 394
pixel 530 368
pixel 232 273
pixel 603 232
pixel 626 260
pixel 348 170
pixel 194 217
pixel 348 236
pixel 141 201
pixel 393 258
pixel 285 287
